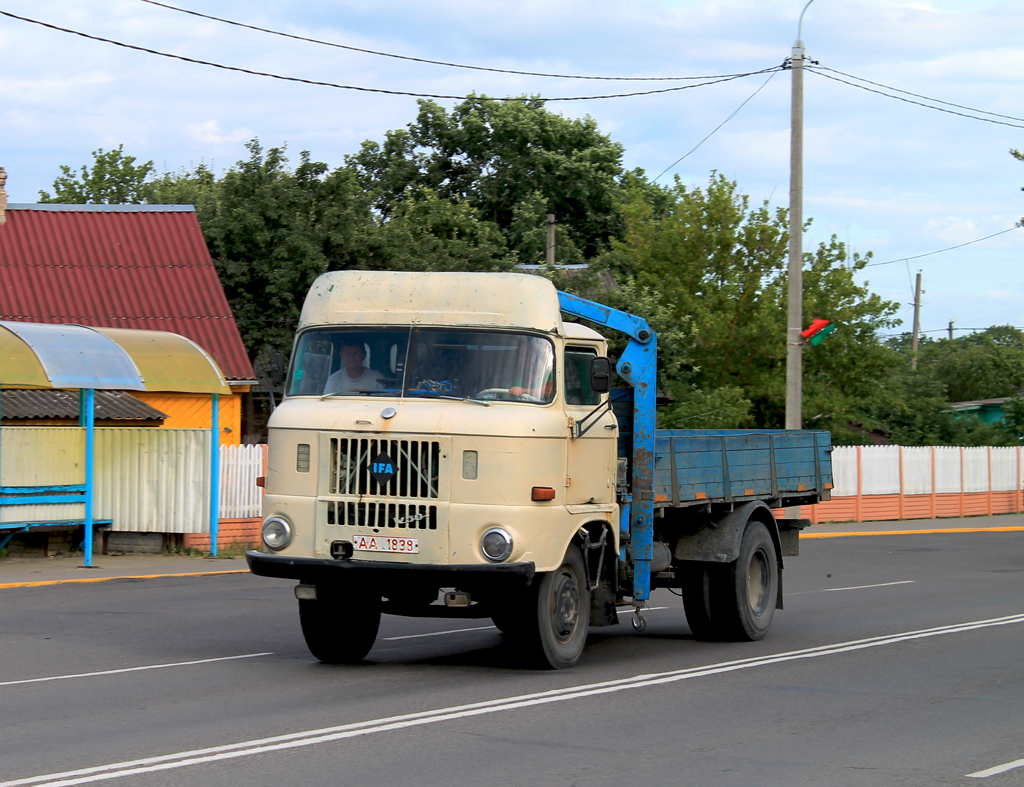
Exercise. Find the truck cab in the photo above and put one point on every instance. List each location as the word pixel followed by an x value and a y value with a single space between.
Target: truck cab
pixel 423 445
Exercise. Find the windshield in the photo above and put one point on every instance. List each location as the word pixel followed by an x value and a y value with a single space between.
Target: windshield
pixel 423 362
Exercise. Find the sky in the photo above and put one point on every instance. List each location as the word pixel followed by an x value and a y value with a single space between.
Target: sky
pixel 883 175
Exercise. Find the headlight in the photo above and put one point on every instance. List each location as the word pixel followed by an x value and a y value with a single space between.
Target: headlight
pixel 496 545
pixel 277 533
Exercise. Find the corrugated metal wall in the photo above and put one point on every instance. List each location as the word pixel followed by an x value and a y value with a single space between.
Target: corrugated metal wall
pixel 153 480
pixel 147 480
pixel 35 456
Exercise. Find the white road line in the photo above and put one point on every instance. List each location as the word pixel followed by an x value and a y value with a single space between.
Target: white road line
pixel 481 628
pixel 327 734
pixel 879 585
pixel 133 669
pixel 437 633
pixel 855 587
pixel 996 770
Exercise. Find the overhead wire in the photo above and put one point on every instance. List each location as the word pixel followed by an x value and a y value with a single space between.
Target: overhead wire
pixel 320 83
pixel 915 95
pixel 715 130
pixel 821 72
pixel 948 248
pixel 422 59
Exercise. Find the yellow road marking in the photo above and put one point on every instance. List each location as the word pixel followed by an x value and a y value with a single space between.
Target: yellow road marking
pixel 915 532
pixel 108 579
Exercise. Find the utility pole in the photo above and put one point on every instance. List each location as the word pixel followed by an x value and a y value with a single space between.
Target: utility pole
pixel 951 329
pixel 795 311
pixel 551 240
pixel 917 323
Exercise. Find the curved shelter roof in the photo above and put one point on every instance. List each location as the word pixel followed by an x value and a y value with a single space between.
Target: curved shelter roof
pixel 40 355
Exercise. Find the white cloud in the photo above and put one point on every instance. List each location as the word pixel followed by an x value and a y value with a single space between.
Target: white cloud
pixel 210 132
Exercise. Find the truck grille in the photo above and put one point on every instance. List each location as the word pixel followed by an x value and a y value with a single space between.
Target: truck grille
pixel 391 515
pixel 417 469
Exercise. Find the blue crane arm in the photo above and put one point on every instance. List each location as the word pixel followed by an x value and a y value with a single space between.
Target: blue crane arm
pixel 638 365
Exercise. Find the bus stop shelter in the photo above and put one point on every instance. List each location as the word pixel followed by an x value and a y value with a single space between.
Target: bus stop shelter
pixel 42 356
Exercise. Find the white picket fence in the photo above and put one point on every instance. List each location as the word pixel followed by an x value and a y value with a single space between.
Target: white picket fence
pixel 893 470
pixel 240 466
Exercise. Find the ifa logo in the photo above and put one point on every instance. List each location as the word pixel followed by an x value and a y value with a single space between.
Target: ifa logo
pixel 382 468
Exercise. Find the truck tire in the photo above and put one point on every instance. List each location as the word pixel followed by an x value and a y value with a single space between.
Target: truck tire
pixel 337 629
pixel 556 628
pixel 702 592
pixel 748 598
pixel 510 619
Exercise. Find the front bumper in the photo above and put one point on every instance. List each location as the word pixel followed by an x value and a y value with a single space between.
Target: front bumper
pixel 385 576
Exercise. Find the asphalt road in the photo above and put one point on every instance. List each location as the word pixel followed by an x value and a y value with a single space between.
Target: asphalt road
pixel 898 660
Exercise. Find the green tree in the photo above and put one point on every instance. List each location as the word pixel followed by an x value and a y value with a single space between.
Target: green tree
pixel 272 231
pixel 511 161
pixel 983 365
pixel 113 179
pixel 427 233
pixel 719 266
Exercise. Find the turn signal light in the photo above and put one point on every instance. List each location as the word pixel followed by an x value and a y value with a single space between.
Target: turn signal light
pixel 543 493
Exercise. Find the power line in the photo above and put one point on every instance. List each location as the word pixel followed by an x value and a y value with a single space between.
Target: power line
pixel 917 95
pixel 911 101
pixel 946 330
pixel 715 130
pixel 318 83
pixel 940 251
pixel 422 59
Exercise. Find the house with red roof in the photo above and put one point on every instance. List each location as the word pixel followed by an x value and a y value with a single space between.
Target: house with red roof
pixel 126 266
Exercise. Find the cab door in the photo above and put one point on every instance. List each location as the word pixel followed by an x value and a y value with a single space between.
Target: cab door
pixel 590 467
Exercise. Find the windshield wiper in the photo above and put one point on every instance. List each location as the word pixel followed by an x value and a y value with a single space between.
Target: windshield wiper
pixel 359 392
pixel 432 395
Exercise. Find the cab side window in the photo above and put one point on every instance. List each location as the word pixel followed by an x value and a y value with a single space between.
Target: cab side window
pixel 577 376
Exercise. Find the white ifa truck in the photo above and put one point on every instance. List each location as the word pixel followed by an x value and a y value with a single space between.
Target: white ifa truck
pixel 450 446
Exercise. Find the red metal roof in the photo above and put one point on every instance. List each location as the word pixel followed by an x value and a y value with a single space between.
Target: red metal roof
pixel 118 266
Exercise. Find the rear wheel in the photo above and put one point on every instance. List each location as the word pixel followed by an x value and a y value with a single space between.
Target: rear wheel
pixel 556 630
pixel 701 585
pixel 749 597
pixel 339 630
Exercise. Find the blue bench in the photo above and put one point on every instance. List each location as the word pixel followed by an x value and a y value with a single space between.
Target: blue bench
pixel 34 495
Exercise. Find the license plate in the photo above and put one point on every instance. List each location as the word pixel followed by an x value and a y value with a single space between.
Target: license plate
pixel 406 546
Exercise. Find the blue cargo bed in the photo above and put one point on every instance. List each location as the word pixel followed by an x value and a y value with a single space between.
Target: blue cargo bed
pixel 703 466
pixel 697 466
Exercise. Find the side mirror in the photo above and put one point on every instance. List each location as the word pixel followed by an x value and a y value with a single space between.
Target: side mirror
pixel 277 369
pixel 600 375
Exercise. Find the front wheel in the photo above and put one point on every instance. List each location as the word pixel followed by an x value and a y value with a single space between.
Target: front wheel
pixel 337 629
pixel 558 626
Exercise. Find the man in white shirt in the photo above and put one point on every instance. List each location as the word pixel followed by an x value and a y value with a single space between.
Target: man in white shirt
pixel 353 376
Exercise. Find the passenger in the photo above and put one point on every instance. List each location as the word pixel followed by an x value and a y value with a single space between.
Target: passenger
pixel 353 376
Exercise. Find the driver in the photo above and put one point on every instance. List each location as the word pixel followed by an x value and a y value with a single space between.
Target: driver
pixel 353 376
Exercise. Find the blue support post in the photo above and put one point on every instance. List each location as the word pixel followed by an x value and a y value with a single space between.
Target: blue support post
pixel 214 473
pixel 638 366
pixel 89 412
